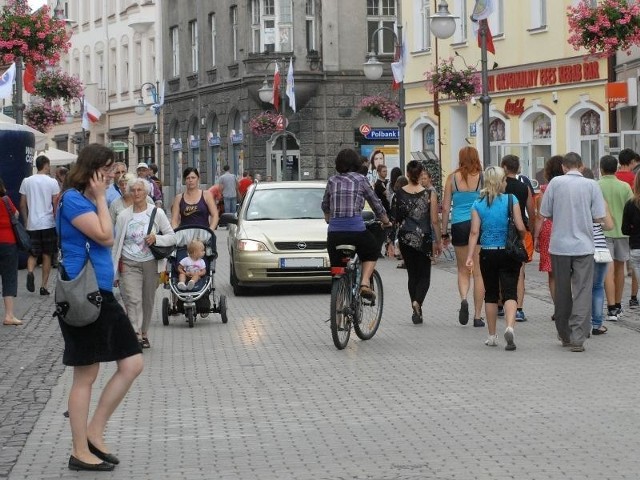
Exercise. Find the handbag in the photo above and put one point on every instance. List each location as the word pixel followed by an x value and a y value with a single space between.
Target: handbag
pixel 23 241
pixel 513 246
pixel 602 255
pixel 78 301
pixel 157 251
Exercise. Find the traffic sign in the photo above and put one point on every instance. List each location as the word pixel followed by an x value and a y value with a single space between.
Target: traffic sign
pixel 365 129
pixel 280 123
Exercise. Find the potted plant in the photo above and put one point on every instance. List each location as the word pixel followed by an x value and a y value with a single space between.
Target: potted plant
pixel 55 84
pixel 381 107
pixel 263 124
pixel 610 26
pixel 459 85
pixel 43 116
pixel 36 37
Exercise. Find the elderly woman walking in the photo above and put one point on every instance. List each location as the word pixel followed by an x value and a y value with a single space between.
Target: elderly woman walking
pixel 136 268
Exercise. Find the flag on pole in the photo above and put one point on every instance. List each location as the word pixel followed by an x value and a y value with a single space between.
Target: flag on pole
pixel 291 93
pixel 159 100
pixel 29 78
pixel 6 81
pixel 276 88
pixel 398 66
pixel 91 115
pixel 481 12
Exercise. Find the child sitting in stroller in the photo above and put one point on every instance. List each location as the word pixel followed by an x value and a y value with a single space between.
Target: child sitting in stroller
pixel 192 266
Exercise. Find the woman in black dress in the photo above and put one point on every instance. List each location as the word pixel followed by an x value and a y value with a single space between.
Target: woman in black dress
pixel 415 210
pixel 83 218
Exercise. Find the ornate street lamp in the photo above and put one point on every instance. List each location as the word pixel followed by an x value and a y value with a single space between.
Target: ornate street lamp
pixel 141 109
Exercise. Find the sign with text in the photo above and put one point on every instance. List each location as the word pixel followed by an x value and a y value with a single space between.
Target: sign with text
pixel 371 133
pixel 617 92
pixel 544 77
pixel 514 107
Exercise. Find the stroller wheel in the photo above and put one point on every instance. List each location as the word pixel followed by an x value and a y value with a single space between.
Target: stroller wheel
pixel 222 307
pixel 165 311
pixel 190 317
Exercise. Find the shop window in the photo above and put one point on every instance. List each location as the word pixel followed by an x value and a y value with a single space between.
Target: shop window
pixel 590 123
pixel 381 13
pixel 541 127
pixel 496 130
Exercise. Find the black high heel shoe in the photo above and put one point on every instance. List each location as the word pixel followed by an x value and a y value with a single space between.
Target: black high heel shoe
pixel 107 457
pixel 75 464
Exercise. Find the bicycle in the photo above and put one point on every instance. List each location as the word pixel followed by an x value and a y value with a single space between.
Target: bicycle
pixel 348 307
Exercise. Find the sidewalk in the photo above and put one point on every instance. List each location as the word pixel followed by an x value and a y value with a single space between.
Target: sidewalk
pixel 268 396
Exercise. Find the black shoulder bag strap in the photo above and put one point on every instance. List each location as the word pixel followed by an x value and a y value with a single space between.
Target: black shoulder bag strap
pixel 153 217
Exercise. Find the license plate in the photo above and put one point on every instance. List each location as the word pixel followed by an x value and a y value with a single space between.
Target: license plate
pixel 301 263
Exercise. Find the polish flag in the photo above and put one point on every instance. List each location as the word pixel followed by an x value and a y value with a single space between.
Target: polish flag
pixel 276 88
pixel 91 115
pixel 481 12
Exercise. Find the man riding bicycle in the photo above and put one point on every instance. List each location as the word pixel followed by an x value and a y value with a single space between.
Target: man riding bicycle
pixel 342 205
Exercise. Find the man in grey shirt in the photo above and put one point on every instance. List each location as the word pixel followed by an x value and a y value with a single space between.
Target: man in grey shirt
pixel 573 203
pixel 229 186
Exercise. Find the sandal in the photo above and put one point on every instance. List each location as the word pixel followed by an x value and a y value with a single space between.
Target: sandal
pixel 144 343
pixel 366 292
pixel 599 331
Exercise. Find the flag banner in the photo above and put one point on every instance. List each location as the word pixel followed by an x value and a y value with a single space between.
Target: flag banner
pixel 159 100
pixel 91 115
pixel 291 93
pixel 6 81
pixel 482 10
pixel 29 78
pixel 490 46
pixel 398 66
pixel 276 88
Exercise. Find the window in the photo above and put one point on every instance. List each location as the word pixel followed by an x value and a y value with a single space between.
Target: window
pixel 496 20
pixel 212 23
pixel 538 14
pixel 271 25
pixel 233 11
pixel 460 9
pixel 381 13
pixel 137 72
pixel 175 51
pixel 124 52
pixel 193 33
pixel 310 30
pixel 422 32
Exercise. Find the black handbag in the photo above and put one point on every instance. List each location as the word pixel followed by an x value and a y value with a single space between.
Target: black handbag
pixel 157 251
pixel 23 241
pixel 514 246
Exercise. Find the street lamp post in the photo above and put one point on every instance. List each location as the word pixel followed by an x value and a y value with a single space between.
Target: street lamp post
pixel 266 95
pixel 69 119
pixel 141 109
pixel 485 99
pixel 373 71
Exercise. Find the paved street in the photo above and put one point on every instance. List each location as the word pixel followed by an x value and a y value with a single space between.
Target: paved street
pixel 268 396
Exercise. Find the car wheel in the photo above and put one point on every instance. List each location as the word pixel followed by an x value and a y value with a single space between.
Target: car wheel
pixel 238 291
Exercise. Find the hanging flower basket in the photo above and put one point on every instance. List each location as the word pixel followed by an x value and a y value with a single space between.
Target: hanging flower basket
pixel 382 107
pixel 36 37
pixel 459 85
pixel 51 85
pixel 263 124
pixel 43 116
pixel 610 26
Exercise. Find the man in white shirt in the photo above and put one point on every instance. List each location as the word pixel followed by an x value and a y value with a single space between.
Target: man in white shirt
pixel 38 195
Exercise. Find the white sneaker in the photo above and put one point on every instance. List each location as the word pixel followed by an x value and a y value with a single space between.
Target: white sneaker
pixel 508 337
pixel 190 285
pixel 182 286
pixel 612 317
pixel 491 341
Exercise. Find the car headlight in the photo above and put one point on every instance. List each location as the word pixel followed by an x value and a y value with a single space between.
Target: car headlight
pixel 251 246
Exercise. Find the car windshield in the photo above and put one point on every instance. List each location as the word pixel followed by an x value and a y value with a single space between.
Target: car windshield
pixel 285 204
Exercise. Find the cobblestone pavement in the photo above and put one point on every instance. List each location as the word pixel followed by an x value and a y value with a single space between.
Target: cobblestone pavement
pixel 268 396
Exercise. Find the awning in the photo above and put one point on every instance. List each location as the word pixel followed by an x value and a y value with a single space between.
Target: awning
pixel 59 157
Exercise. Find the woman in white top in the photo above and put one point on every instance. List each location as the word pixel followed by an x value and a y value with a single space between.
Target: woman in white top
pixel 136 269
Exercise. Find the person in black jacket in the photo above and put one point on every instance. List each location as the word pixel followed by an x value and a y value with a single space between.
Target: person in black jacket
pixel 631 225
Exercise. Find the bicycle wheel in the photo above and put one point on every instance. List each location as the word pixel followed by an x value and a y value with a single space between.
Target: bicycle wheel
pixel 340 312
pixel 370 312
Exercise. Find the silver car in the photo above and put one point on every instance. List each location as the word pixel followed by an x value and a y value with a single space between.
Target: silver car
pixel 279 236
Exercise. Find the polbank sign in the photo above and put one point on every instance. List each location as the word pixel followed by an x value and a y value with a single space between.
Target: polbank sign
pixel 371 133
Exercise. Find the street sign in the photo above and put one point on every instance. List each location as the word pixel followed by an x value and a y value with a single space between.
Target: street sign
pixel 379 133
pixel 281 123
pixel 365 129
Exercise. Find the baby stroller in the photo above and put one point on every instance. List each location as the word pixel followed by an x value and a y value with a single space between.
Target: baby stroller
pixel 201 299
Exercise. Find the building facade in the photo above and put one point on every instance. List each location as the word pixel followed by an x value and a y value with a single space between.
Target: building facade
pixel 114 52
pixel 218 55
pixel 546 98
